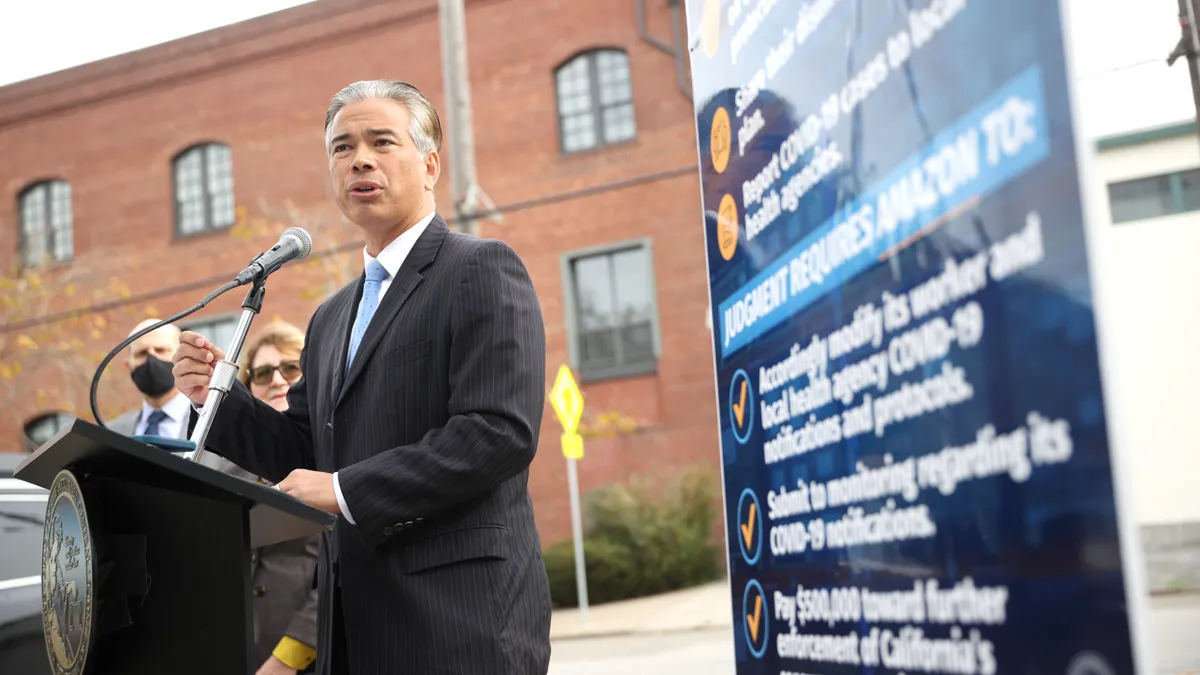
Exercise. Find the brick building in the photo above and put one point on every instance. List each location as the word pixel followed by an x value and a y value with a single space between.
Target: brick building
pixel 149 178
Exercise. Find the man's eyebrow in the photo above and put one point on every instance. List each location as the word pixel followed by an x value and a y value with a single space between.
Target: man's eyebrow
pixel 370 132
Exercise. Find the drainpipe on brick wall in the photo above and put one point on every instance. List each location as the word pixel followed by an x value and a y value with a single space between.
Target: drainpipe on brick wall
pixel 677 50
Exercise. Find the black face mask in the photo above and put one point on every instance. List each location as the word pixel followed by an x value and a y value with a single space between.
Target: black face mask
pixel 154 377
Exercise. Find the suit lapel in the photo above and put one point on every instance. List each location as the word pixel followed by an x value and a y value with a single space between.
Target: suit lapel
pixel 342 324
pixel 408 277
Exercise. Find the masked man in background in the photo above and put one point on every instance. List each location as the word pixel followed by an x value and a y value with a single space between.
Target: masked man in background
pixel 164 411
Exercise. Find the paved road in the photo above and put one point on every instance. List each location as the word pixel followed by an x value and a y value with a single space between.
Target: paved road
pixel 1174 633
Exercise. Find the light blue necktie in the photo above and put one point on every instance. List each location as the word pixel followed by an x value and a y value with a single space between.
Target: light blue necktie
pixel 376 273
pixel 153 421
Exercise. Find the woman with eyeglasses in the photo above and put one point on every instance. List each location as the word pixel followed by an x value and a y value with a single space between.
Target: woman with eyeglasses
pixel 284 591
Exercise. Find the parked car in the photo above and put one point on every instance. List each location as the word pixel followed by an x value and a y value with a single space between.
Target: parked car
pixel 22 510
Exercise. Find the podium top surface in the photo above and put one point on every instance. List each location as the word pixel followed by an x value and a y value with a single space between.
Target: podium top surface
pixel 87 448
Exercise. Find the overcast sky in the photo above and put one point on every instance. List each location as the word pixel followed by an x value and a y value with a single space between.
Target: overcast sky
pixel 1120 46
pixel 39 37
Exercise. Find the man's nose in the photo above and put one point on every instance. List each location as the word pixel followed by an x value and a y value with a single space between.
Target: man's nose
pixel 364 162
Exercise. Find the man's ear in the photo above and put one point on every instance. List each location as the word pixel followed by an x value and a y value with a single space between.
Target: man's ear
pixel 433 169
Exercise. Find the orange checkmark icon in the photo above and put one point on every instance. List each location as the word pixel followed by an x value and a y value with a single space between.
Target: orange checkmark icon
pixel 748 526
pixel 753 620
pixel 739 408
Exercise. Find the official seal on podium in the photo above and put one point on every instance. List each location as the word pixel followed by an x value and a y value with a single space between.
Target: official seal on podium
pixel 68 577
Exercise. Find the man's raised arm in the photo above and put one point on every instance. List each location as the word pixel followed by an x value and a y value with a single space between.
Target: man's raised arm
pixel 247 431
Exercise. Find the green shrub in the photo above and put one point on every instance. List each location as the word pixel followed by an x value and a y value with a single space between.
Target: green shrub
pixel 639 543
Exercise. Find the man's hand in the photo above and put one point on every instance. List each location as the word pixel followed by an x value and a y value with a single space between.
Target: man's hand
pixel 314 488
pixel 194 362
pixel 273 666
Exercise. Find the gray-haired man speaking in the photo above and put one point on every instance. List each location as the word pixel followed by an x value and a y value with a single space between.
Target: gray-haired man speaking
pixel 416 419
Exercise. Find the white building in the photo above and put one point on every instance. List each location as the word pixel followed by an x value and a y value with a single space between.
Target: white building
pixel 1144 194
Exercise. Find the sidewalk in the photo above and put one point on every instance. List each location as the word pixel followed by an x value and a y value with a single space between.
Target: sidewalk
pixel 706 606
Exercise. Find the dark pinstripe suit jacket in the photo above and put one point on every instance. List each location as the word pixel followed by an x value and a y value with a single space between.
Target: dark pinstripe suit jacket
pixel 432 431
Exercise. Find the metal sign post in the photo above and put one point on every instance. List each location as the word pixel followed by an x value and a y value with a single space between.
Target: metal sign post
pixel 567 401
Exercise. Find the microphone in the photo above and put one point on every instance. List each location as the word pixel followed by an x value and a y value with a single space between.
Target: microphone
pixel 293 243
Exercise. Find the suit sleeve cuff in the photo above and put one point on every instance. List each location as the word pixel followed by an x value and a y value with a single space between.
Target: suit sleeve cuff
pixel 337 491
pixel 294 653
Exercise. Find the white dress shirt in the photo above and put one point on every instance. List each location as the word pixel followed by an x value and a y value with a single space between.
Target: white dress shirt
pixel 391 257
pixel 176 410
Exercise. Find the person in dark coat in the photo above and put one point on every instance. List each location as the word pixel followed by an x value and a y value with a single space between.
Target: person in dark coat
pixel 415 421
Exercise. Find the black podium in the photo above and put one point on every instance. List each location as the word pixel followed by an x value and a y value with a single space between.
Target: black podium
pixel 146 555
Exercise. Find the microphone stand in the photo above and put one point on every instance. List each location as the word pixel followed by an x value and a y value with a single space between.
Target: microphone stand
pixel 226 370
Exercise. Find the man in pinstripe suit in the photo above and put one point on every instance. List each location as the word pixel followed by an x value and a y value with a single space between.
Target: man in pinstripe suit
pixel 415 421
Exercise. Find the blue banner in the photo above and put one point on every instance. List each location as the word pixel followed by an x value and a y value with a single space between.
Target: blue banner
pixel 916 456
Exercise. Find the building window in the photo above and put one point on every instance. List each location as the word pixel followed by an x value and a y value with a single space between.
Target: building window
pixel 43 427
pixel 595 100
pixel 218 331
pixel 203 189
pixel 46 228
pixel 1155 196
pixel 612 310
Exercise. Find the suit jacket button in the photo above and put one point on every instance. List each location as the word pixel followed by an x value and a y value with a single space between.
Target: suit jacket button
pixel 387 531
pixel 259 591
pixel 329 426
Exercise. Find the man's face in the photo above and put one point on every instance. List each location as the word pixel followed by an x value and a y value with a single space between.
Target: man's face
pixel 161 344
pixel 379 178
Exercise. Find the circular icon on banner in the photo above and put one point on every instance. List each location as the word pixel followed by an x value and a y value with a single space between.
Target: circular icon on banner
pixel 749 526
pixel 710 27
pixel 720 140
pixel 758 623
pixel 741 406
pixel 1089 663
pixel 68 577
pixel 727 227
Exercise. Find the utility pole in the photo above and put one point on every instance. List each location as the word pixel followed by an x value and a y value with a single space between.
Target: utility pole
pixel 1189 46
pixel 464 191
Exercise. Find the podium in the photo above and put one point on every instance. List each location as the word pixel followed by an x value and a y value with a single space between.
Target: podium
pixel 146 555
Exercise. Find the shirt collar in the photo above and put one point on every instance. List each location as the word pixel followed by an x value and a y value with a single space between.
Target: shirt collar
pixel 393 255
pixel 175 409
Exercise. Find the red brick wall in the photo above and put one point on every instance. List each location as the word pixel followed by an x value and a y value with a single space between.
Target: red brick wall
pixel 261 87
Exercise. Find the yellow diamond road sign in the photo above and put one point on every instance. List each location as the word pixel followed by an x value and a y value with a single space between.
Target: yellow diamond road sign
pixel 567 400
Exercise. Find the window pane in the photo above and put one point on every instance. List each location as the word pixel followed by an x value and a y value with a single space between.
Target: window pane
pixel 631 269
pixel 220 170
pixel 593 292
pixel 598 348
pixel 619 124
pixel 60 220
pixel 189 191
pixel 1140 198
pixel 595 111
pixel 613 71
pixel 223 214
pixel 204 188
pixel 1189 188
pixel 637 342
pixel 579 132
pixel 35 227
pixel 615 307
